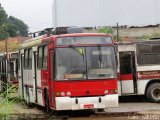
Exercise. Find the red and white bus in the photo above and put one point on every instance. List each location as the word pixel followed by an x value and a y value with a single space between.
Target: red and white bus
pixel 140 69
pixel 13 58
pixel 69 71
pixel 8 70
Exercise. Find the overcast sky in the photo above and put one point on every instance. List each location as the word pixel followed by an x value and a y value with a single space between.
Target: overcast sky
pixel 37 14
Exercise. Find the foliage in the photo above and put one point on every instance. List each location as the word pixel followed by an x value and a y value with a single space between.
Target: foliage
pixel 11 26
pixel 7 102
pixel 155 34
pixel 3 19
pixel 105 30
pixel 3 34
pixel 146 37
pixel 3 16
pixel 19 25
pixel 11 29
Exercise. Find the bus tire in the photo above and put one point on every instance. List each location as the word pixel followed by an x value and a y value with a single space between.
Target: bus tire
pixel 153 92
pixel 47 104
pixel 28 103
pixel 101 110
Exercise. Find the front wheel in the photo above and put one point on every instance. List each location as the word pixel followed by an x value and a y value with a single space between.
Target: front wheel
pixel 153 92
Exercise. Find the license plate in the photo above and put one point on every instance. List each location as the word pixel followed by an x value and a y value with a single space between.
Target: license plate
pixel 88 106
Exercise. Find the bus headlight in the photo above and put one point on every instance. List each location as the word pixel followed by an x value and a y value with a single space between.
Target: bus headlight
pixel 106 92
pixel 113 91
pixel 62 94
pixel 57 93
pixel 68 93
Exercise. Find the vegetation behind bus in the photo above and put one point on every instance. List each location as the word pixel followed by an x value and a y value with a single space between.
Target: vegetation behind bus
pixel 7 102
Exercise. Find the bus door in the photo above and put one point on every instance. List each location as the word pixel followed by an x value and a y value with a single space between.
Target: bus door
pixel 52 77
pixel 20 75
pixel 128 73
pixel 35 74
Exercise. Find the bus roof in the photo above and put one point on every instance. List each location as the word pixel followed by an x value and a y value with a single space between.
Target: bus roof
pixel 84 34
pixel 46 39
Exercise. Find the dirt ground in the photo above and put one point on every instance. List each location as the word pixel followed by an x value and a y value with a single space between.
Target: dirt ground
pixel 141 110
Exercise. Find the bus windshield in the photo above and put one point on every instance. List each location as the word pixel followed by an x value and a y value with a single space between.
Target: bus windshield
pixel 78 63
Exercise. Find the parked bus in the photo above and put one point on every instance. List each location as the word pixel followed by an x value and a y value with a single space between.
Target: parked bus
pixel 8 70
pixel 69 71
pixel 3 76
pixel 13 58
pixel 140 69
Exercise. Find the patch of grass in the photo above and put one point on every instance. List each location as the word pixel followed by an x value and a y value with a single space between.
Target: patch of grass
pixel 106 30
pixel 145 37
pixel 7 102
pixel 149 36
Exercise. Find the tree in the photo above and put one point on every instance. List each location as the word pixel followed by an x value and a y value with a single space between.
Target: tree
pixel 12 29
pixel 3 16
pixel 10 26
pixel 19 25
pixel 3 19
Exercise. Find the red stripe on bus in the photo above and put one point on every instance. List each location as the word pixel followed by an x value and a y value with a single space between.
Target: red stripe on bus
pixel 126 77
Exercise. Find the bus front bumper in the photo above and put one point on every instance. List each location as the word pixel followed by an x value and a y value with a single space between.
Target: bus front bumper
pixel 80 103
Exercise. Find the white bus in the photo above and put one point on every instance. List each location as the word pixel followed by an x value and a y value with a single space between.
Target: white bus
pixel 139 64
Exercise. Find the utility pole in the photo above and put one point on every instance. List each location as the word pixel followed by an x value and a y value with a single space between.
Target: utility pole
pixel 18 33
pixel 6 50
pixel 6 47
pixel 6 60
pixel 55 17
pixel 118 40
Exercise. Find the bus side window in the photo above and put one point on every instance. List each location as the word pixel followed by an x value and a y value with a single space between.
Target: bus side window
pixel 25 58
pixel 125 62
pixel 45 55
pixel 39 60
pixel 30 58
